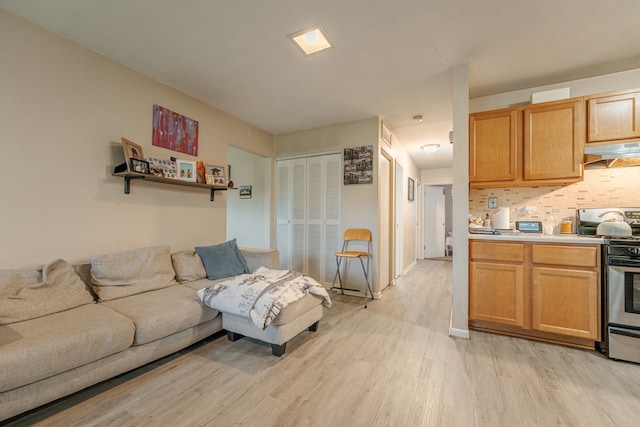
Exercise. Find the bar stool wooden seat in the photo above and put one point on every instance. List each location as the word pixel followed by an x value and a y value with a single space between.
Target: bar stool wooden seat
pixel 354 235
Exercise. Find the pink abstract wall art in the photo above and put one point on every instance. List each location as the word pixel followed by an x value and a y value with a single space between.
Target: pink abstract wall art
pixel 174 131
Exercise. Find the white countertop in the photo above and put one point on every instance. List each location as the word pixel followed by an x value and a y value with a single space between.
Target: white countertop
pixel 537 237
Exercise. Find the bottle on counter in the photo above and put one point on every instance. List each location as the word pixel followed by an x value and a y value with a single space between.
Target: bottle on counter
pixel 487 220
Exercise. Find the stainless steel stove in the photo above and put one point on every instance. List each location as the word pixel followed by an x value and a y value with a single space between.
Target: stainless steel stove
pixel 620 280
pixel 589 219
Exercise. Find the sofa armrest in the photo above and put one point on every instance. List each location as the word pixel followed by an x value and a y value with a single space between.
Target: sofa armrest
pixel 261 257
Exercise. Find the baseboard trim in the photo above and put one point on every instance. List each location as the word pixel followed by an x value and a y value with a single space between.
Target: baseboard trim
pixel 459 333
pixel 408 269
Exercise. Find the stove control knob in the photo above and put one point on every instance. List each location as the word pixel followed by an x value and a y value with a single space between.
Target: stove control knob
pixel 635 250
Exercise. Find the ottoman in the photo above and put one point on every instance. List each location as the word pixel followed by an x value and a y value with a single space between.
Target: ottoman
pixel 293 319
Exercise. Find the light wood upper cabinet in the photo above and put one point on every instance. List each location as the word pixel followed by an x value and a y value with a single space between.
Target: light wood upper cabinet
pixel 539 144
pixel 613 117
pixel 553 141
pixel 493 142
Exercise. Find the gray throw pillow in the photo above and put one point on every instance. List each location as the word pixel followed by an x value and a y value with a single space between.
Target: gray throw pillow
pixel 223 260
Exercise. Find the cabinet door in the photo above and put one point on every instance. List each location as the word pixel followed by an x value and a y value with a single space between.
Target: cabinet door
pixel 614 117
pixel 553 141
pixel 565 302
pixel 493 142
pixel 496 293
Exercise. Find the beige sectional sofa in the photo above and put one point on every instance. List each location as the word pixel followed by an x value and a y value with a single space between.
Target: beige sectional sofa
pixel 65 327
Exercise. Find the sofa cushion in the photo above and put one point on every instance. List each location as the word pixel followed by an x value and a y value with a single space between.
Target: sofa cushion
pixel 223 260
pixel 162 312
pixel 28 294
pixel 188 266
pixel 127 273
pixel 39 348
pixel 203 283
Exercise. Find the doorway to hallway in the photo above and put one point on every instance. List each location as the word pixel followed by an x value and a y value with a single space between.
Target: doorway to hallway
pixel 437 221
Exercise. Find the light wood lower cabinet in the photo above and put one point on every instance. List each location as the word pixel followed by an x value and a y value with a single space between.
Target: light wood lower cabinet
pixel 565 302
pixel 497 293
pixel 544 291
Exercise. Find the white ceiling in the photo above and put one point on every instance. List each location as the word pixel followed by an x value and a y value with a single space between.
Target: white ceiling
pixel 391 59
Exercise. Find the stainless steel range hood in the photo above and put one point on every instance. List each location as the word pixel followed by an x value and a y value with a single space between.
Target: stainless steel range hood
pixel 612 155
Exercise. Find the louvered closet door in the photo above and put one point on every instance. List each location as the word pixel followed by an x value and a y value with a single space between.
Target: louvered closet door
pixel 308 215
pixel 323 216
pixel 283 212
pixel 332 236
pixel 298 214
pixel 290 213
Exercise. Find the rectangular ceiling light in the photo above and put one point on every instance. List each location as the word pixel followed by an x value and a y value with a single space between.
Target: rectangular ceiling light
pixel 311 40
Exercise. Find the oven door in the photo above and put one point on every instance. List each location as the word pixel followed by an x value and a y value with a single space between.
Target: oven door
pixel 623 294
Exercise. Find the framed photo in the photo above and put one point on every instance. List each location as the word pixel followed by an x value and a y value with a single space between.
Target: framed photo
pixel 245 191
pixel 139 166
pixel 131 151
pixel 162 168
pixel 358 165
pixel 216 175
pixel 201 172
pixel 186 170
pixel 411 189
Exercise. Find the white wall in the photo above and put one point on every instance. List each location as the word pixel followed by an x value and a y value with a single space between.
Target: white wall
pixel 460 292
pixel 589 86
pixel 360 202
pixel 437 176
pixel 410 209
pixel 359 207
pixel 248 220
pixel 62 107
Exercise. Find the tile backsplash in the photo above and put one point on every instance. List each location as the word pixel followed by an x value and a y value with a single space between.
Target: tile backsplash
pixel 601 188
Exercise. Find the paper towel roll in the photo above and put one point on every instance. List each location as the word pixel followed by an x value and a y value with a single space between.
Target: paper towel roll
pixel 501 219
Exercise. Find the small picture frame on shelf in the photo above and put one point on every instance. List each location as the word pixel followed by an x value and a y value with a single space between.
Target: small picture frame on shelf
pixel 140 166
pixel 245 191
pixel 186 170
pixel 162 168
pixel 217 175
pixel 131 151
pixel 201 172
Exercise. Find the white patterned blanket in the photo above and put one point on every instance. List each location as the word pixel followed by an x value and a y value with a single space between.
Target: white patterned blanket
pixel 261 295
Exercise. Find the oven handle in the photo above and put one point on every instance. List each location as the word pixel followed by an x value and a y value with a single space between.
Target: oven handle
pixel 623 262
pixel 624 333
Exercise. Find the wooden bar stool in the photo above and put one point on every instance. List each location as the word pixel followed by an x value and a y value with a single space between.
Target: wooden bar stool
pixel 354 235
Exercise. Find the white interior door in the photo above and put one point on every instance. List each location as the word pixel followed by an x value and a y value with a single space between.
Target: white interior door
pixel 434 221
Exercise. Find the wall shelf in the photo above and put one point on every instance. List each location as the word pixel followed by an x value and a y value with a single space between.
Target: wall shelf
pixel 129 176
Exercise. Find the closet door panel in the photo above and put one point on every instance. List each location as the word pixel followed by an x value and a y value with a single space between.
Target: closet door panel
pixel 308 215
pixel 283 212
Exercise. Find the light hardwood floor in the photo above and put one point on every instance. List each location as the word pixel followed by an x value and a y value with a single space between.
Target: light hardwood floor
pixel 390 364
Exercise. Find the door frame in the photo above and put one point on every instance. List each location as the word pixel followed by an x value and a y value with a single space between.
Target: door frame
pixel 398 221
pixel 390 208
